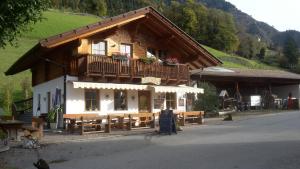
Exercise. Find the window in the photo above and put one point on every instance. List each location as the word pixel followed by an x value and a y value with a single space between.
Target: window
pixel 150 53
pixel 91 100
pixel 171 100
pixel 159 99
pixel 99 48
pixel 120 97
pixel 126 49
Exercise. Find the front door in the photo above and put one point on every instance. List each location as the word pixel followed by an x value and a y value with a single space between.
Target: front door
pixel 144 101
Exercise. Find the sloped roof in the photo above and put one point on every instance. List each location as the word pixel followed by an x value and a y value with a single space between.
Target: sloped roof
pixel 237 73
pixel 202 57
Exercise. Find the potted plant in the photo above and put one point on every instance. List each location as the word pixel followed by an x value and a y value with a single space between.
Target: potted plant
pixel 51 118
pixel 147 60
pixel 119 57
pixel 3 141
pixel 171 61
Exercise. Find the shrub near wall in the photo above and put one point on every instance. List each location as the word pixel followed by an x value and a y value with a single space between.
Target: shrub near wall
pixel 208 101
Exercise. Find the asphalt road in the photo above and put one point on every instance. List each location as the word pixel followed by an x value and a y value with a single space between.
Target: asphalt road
pixel 261 142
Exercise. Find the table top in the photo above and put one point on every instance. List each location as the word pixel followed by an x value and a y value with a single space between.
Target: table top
pixel 11 122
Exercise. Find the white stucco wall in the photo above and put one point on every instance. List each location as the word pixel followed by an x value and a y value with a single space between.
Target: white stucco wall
pixel 76 104
pixel 75 98
pixel 42 89
pixel 181 96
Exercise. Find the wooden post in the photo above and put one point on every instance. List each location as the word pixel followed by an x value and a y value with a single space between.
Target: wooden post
pixel 200 118
pixel 153 121
pixel 130 122
pixel 121 122
pixel 82 128
pixel 183 119
pixel 108 125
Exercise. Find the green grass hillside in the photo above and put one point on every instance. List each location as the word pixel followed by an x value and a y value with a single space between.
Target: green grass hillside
pixel 55 22
pixel 233 61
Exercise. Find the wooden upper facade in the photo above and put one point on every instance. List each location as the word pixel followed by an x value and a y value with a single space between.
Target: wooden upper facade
pixel 118 49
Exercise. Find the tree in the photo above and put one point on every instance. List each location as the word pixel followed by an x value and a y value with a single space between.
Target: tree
pixel 7 97
pixel 291 51
pixel 96 7
pixel 26 87
pixel 208 101
pixel 15 16
pixel 262 53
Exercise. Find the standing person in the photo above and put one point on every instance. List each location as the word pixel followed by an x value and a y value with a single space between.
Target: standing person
pixel 290 101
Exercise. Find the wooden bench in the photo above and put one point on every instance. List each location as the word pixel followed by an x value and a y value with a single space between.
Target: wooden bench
pixel 127 121
pixel 6 118
pixel 87 123
pixel 192 117
pixel 113 121
pixel 36 129
pixel 145 119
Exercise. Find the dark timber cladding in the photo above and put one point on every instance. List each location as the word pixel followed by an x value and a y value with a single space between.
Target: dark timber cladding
pixel 192 53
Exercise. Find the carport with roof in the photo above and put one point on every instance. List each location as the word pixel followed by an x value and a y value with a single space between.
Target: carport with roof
pixel 247 82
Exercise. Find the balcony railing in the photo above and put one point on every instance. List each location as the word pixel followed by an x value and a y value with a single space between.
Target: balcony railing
pixel 92 65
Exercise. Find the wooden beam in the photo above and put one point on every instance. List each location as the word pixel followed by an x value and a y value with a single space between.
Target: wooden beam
pixel 90 31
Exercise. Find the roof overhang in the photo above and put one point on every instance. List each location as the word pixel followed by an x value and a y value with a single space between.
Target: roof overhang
pixel 199 59
pixel 156 89
pixel 218 74
pixel 116 86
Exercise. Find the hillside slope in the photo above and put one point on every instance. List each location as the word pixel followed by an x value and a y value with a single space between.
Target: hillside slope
pixel 247 24
pixel 234 61
pixel 55 22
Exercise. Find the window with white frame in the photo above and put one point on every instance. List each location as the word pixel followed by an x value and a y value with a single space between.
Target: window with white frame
pixel 171 100
pixel 91 100
pixel 120 100
pixel 126 49
pixel 99 48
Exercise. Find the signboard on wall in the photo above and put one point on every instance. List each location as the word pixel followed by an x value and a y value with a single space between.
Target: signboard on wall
pixel 151 80
pixel 180 102
pixel 255 100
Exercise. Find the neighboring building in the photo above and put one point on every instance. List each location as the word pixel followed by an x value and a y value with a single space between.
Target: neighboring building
pixel 250 82
pixel 107 67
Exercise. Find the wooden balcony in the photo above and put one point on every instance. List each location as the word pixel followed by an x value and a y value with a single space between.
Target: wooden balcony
pixel 105 67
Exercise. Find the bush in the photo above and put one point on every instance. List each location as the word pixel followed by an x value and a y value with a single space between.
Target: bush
pixel 7 97
pixel 3 135
pixel 26 88
pixel 208 101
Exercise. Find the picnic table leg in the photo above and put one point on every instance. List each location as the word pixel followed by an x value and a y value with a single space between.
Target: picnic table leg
pixel 183 120
pixel 121 122
pixel 82 129
pixel 153 122
pixel 130 122
pixel 108 125
pixel 200 119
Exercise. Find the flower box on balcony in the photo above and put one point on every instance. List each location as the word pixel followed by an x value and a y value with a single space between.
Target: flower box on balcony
pixel 147 60
pixel 119 57
pixel 171 61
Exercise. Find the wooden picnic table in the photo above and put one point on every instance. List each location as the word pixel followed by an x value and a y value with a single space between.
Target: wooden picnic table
pixel 11 127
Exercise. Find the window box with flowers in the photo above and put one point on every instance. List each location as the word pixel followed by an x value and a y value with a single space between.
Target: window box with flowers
pixel 119 57
pixel 147 60
pixel 171 61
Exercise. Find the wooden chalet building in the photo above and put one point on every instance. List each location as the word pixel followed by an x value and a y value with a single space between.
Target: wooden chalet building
pixel 135 62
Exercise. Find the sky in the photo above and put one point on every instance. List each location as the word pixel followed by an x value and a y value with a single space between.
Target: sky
pixel 281 14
